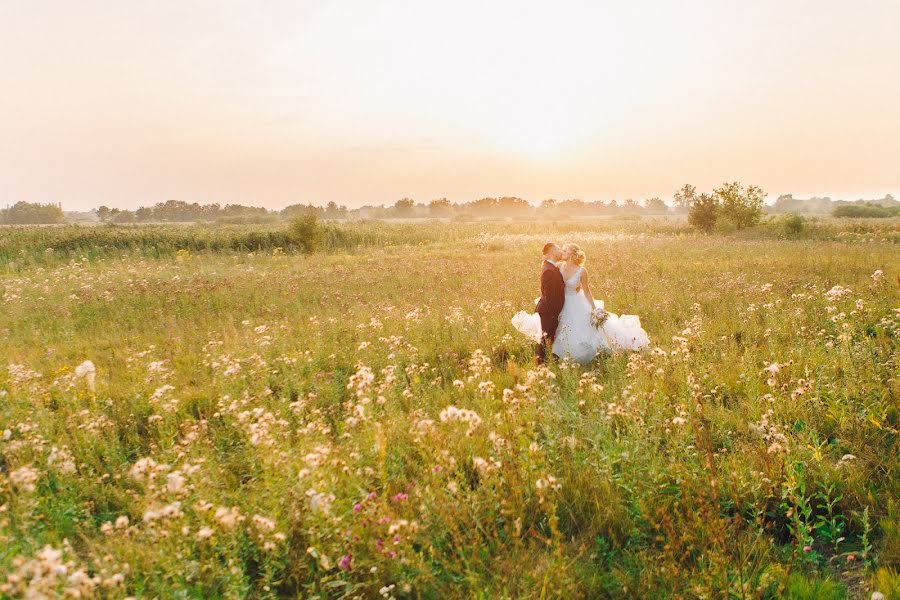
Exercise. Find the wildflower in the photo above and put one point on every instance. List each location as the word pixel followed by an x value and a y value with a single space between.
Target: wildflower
pixel 486 388
pixel 168 511
pixel 88 372
pixel 160 392
pixel 25 478
pixel 345 562
pixel 158 366
pixel 175 482
pixel 452 413
pixel 204 533
pixel 678 420
pixel 228 517
pixel 320 502
pixel 807 549
pixel 263 523
pixel 837 292
pixel 61 461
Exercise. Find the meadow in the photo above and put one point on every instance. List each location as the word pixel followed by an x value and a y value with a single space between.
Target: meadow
pixel 357 418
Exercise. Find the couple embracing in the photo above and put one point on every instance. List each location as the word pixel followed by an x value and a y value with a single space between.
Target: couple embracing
pixel 568 320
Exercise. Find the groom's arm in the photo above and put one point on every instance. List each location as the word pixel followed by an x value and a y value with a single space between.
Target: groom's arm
pixel 552 292
pixel 542 300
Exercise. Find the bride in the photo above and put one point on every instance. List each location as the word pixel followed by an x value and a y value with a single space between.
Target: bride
pixel 577 338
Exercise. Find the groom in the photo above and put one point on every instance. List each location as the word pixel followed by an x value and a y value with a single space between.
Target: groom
pixel 553 295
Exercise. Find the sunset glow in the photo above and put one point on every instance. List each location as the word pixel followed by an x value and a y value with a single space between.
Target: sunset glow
pixel 131 103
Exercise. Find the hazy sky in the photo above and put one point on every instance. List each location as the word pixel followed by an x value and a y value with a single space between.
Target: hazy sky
pixel 273 102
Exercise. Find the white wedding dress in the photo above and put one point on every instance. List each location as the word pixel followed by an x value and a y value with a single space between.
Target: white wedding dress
pixel 576 338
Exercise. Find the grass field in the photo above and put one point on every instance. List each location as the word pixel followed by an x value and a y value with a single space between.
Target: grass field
pixel 364 422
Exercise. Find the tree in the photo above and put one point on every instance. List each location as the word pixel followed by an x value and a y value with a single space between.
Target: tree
pixel 143 214
pixel 685 197
pixel 549 204
pixel 704 212
pixel 306 232
pixel 404 207
pixel 656 205
pixel 439 207
pixel 333 211
pixel 32 213
pixel 631 206
pixel 121 216
pixel 103 214
pixel 741 208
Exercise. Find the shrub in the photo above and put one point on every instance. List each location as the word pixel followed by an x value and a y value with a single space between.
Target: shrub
pixel 306 232
pixel 793 225
pixel 704 212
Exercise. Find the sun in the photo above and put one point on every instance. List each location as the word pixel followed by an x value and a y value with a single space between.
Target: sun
pixel 537 129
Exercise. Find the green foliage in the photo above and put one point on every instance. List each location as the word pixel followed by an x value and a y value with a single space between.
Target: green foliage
pixel 404 207
pixel 739 207
pixel 30 213
pixel 704 212
pixel 793 225
pixel 306 232
pixel 865 211
pixel 887 582
pixel 801 588
pixel 656 206
pixel 684 197
pixel 751 453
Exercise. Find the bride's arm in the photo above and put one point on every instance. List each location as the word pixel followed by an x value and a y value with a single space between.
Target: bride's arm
pixel 586 288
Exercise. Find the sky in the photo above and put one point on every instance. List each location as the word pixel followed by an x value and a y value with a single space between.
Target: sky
pixel 131 102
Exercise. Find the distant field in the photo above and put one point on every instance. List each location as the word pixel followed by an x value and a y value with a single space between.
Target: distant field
pixel 363 421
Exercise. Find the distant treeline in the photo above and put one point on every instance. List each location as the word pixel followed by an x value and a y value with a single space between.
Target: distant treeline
pixel 179 211
pixel 825 205
pixel 868 210
pixel 175 211
pixel 29 213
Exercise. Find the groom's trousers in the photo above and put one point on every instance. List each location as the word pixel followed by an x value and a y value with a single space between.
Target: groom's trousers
pixel 549 324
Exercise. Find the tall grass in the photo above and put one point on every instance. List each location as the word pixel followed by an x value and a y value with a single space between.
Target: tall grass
pixel 364 421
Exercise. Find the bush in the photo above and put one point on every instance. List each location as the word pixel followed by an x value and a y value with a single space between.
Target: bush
pixel 793 225
pixel 704 212
pixel 306 232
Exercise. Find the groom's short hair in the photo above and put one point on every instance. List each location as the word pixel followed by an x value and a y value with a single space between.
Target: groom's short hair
pixel 547 248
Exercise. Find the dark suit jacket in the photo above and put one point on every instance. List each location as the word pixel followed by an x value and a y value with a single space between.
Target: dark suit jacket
pixel 553 294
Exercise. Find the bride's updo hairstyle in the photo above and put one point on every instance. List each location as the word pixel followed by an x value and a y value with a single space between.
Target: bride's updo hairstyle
pixel 578 256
